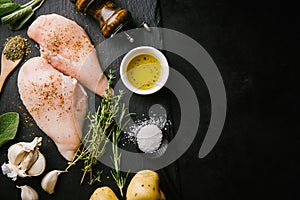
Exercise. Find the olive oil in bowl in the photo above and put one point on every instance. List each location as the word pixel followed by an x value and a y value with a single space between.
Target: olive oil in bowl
pixel 143 71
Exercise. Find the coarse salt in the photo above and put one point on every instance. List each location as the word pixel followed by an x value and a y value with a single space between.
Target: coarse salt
pixel 149 138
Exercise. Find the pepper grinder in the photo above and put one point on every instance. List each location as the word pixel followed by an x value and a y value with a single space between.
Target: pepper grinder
pixel 111 17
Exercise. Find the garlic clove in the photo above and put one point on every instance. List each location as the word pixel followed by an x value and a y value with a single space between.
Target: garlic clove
pixel 28 193
pixel 38 167
pixel 49 181
pixel 29 160
pixel 17 152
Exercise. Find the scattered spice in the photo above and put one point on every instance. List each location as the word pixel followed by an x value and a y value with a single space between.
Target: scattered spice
pixel 16 47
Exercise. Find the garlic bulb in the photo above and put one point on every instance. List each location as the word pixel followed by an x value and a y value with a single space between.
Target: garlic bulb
pixel 28 193
pixel 24 159
pixel 17 152
pixel 49 181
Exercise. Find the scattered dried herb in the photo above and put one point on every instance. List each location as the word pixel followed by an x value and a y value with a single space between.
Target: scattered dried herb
pixel 16 47
pixel 9 123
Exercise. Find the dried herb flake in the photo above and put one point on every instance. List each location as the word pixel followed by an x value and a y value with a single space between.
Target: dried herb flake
pixel 16 47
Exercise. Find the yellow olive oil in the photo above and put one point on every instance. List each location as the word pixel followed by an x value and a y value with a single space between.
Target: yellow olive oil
pixel 143 71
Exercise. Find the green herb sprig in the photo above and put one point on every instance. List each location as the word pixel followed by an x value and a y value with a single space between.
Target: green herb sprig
pixel 15 15
pixel 92 146
pixel 118 111
pixel 102 126
pixel 120 180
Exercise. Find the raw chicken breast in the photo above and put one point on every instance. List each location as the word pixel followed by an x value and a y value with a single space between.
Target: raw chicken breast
pixel 57 103
pixel 67 47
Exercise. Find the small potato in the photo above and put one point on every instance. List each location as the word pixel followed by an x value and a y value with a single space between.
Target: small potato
pixel 103 193
pixel 162 195
pixel 145 186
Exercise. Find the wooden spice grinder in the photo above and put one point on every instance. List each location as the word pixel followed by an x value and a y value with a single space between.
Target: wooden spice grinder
pixel 111 17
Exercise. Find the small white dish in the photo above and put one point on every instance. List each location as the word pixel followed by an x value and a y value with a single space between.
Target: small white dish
pixel 152 52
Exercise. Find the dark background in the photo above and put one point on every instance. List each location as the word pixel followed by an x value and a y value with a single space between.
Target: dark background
pixel 255 45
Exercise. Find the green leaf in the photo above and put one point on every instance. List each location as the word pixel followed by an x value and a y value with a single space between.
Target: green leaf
pixel 20 23
pixel 9 123
pixel 7 8
pixel 15 16
pixel 5 1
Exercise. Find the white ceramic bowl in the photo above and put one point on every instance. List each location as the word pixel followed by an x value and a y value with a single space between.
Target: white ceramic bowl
pixel 150 51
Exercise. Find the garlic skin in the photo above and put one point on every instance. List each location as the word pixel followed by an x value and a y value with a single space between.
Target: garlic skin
pixel 10 170
pixel 28 193
pixel 49 181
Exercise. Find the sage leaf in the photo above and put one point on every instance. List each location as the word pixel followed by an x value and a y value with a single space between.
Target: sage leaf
pixel 7 8
pixel 9 123
pixel 15 16
pixel 5 1
pixel 19 24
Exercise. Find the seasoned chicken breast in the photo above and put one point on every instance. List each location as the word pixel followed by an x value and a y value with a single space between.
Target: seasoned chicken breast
pixel 57 103
pixel 67 47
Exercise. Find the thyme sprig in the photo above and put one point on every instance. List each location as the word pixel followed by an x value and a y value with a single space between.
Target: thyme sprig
pixel 118 176
pixel 101 126
pixel 107 122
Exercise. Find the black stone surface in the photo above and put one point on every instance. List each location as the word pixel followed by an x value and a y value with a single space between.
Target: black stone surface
pixel 68 185
pixel 255 45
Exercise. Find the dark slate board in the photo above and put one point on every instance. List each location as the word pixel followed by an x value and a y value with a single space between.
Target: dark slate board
pixel 68 185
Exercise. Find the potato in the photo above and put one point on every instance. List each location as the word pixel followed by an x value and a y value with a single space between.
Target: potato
pixel 103 193
pixel 162 195
pixel 145 186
